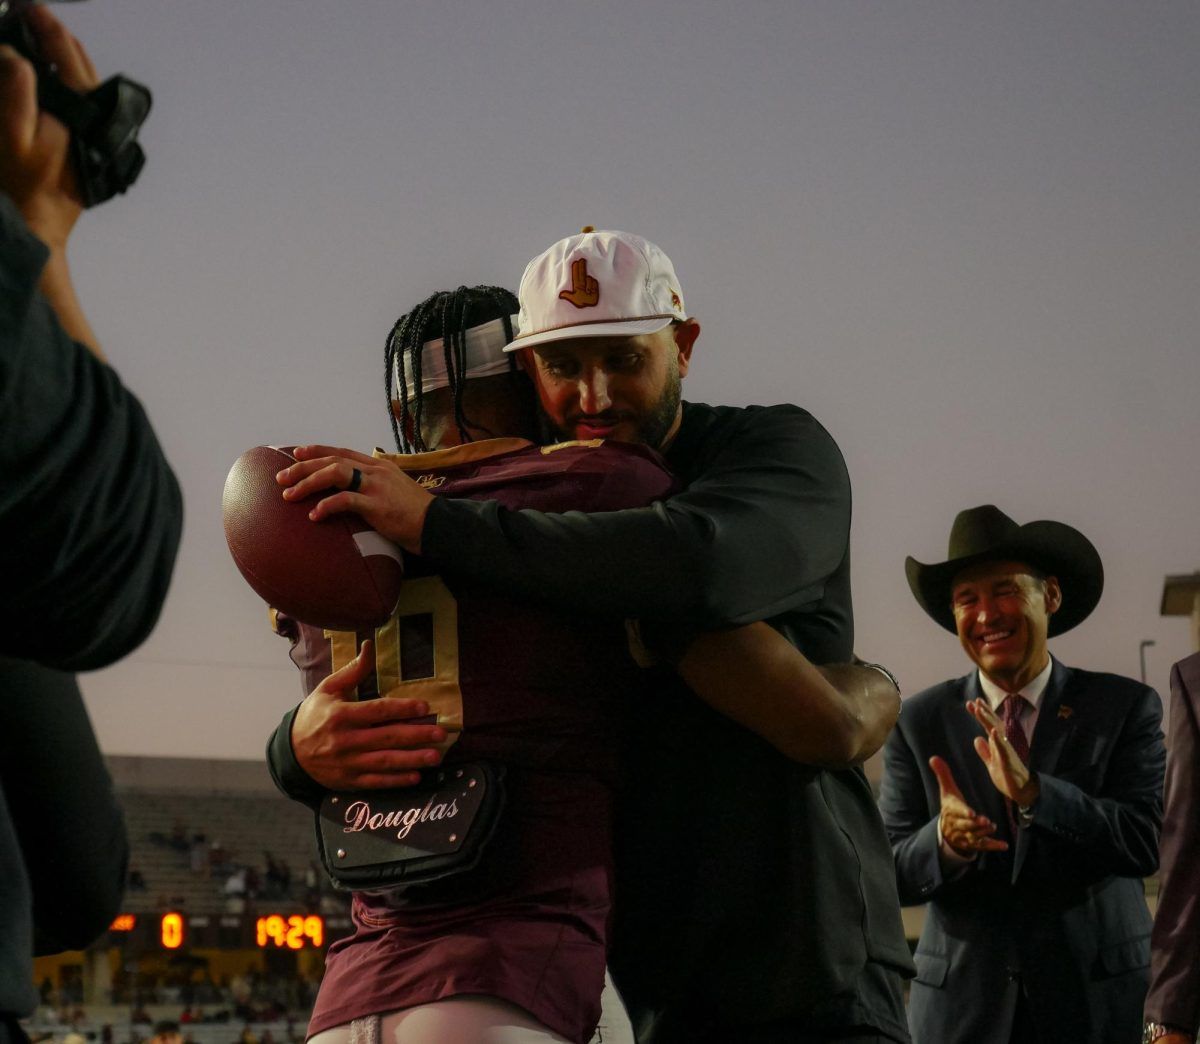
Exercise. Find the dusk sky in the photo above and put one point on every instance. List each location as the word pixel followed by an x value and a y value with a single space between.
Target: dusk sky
pixel 965 236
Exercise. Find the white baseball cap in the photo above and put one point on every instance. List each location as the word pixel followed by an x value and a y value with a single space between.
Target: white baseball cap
pixel 597 284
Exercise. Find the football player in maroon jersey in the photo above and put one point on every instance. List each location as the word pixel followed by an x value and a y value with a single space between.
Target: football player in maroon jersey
pixel 758 895
pixel 544 694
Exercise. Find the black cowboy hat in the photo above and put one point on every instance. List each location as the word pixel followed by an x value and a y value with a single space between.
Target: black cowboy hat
pixel 985 533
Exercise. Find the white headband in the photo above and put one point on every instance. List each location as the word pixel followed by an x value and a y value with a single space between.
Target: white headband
pixel 483 356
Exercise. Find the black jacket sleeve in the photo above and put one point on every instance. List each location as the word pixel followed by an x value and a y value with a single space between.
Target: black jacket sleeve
pixel 68 824
pixel 289 777
pixel 90 512
pixel 762 523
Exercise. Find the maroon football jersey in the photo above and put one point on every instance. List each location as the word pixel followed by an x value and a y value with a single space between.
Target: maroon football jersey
pixel 545 696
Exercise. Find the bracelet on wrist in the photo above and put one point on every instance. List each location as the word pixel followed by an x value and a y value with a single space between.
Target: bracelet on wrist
pixel 1152 1031
pixel 881 669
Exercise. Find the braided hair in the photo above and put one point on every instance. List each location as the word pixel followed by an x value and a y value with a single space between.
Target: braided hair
pixel 447 314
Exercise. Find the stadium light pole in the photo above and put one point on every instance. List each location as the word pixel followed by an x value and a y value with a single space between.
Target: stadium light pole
pixel 1142 654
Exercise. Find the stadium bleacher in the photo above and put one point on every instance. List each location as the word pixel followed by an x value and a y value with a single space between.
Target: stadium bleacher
pixel 220 965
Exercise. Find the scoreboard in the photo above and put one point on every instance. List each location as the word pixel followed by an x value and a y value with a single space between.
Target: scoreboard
pixel 295 931
pixel 175 929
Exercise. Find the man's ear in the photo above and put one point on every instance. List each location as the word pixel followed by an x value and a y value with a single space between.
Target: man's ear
pixel 685 339
pixel 1053 595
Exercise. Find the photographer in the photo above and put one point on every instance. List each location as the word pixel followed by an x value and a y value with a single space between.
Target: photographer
pixel 90 517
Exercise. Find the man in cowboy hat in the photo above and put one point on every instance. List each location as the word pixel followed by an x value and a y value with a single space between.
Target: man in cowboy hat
pixel 1023 802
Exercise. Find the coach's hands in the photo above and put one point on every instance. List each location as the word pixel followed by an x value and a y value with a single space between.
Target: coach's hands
pixel 391 502
pixel 961 829
pixel 347 745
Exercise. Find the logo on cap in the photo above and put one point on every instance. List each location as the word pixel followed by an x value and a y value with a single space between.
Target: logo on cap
pixel 585 289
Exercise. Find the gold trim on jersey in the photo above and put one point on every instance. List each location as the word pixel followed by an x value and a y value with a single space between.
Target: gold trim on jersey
pixel 452 456
pixel 589 443
pixel 343 647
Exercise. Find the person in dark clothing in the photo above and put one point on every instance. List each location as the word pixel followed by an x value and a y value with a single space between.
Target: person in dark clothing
pixel 756 897
pixel 91 515
pixel 466 389
pixel 1172 1007
pixel 61 808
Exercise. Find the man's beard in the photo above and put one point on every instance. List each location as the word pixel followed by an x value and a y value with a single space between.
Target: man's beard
pixel 650 429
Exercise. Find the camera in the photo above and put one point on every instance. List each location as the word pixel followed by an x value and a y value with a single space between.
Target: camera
pixel 103 122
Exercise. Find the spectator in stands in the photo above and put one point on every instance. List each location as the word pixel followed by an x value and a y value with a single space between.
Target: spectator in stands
pixel 198 854
pixel 178 839
pixel 166 1032
pixel 279 877
pixel 218 860
pixel 234 891
pixel 312 885
pixel 240 991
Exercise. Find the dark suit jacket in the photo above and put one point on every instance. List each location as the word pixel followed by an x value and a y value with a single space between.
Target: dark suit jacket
pixel 1063 911
pixel 1174 997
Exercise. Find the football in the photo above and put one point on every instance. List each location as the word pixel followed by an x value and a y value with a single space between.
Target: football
pixel 338 573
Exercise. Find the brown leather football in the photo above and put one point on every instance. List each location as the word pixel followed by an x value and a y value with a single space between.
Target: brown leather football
pixel 338 573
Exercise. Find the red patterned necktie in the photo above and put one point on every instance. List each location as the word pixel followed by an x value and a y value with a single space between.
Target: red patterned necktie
pixel 1010 711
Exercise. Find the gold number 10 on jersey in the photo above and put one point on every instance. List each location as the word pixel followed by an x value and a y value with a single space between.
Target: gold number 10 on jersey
pixel 416 651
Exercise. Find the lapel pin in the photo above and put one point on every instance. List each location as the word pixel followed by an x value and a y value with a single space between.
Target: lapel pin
pixel 1065 711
